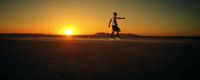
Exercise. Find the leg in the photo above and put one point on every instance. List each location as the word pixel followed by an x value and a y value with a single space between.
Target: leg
pixel 117 33
pixel 117 36
pixel 112 34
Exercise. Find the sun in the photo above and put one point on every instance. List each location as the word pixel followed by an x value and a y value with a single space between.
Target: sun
pixel 69 32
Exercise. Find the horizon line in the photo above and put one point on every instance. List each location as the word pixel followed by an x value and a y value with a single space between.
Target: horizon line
pixel 97 34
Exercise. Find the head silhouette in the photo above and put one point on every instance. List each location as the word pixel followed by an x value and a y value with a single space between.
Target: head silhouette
pixel 114 13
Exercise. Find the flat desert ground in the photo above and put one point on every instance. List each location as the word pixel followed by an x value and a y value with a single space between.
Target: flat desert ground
pixel 99 59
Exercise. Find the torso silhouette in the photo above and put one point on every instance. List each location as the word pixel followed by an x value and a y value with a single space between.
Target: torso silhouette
pixel 114 23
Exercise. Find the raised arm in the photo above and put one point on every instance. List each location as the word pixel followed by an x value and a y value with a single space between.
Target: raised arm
pixel 109 22
pixel 121 18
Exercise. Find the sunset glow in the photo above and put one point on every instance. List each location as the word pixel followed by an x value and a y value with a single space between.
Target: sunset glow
pixel 69 32
pixel 143 17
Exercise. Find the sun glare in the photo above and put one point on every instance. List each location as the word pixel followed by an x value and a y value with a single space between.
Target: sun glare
pixel 69 32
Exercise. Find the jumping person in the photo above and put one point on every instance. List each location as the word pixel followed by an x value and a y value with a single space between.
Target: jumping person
pixel 115 27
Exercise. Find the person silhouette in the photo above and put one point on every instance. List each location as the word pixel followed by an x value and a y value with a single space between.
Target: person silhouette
pixel 115 27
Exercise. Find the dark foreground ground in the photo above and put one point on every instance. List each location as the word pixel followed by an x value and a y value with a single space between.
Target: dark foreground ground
pixel 91 59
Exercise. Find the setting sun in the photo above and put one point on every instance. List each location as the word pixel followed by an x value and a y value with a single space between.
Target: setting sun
pixel 69 32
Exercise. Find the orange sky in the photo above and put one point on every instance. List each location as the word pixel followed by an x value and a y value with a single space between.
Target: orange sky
pixel 144 17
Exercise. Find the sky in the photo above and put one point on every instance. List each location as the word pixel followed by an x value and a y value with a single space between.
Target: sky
pixel 143 17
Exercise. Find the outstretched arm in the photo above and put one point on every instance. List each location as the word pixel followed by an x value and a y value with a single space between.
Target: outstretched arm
pixel 121 18
pixel 109 22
